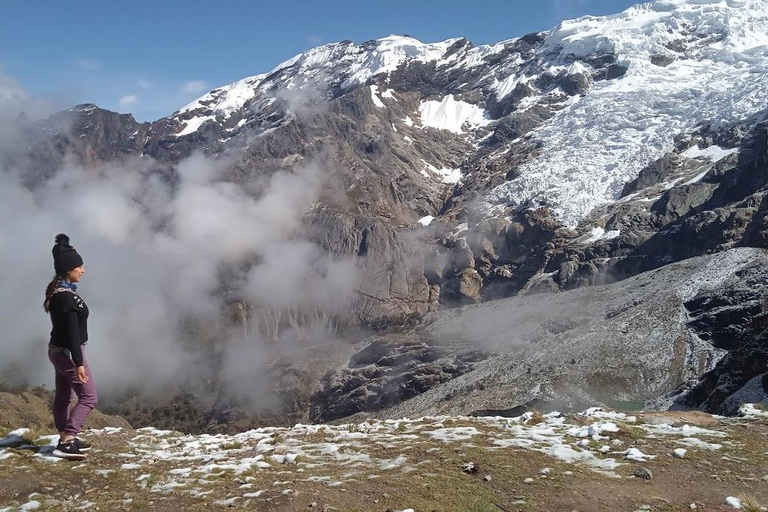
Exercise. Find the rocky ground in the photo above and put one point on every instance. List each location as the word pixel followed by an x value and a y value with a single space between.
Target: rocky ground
pixel 595 460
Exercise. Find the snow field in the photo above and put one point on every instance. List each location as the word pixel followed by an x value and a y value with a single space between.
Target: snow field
pixel 452 115
pixel 602 140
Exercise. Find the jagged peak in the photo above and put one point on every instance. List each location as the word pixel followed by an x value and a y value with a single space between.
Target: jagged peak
pixel 85 107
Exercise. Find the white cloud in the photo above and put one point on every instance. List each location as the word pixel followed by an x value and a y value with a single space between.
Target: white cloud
pixel 194 86
pixel 14 98
pixel 11 92
pixel 90 64
pixel 128 101
pixel 144 84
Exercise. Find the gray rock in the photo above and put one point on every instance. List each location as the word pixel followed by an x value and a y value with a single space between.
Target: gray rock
pixel 642 472
pixel 632 339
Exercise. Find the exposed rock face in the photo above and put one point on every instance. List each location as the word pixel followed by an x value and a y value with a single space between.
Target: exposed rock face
pixel 632 342
pixel 387 371
pixel 735 320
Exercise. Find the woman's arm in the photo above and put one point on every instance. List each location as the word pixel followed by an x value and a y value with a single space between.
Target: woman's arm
pixel 73 329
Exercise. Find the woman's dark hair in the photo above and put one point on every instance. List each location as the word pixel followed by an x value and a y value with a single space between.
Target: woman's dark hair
pixel 49 292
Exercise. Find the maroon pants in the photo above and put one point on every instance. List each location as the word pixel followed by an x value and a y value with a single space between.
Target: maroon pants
pixel 70 422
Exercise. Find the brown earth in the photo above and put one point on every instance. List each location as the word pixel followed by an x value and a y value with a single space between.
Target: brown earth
pixel 31 408
pixel 431 479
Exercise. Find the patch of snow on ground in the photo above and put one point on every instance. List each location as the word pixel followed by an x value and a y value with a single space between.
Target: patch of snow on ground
pixel 394 463
pixel 594 430
pixel 749 410
pixel 698 443
pixel 453 433
pixel 638 456
pixel 598 412
pixel 685 430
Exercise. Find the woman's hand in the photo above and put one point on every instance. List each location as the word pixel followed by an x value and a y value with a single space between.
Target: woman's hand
pixel 82 377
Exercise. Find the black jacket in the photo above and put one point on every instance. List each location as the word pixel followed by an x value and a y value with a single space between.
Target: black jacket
pixel 69 316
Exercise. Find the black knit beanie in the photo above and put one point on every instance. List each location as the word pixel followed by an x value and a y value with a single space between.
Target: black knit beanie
pixel 65 257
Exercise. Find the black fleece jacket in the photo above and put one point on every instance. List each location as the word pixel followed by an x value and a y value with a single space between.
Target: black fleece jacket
pixel 69 316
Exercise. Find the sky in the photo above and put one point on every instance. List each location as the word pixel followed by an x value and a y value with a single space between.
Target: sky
pixel 150 58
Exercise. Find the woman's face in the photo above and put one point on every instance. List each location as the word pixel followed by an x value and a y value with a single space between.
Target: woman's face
pixel 74 275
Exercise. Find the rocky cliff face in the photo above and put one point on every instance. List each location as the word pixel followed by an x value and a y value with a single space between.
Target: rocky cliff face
pixel 640 342
pixel 457 174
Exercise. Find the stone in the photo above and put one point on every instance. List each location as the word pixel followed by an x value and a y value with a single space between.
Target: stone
pixel 642 472
pixel 470 284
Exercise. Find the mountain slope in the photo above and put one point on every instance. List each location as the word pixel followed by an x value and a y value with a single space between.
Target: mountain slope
pixel 455 174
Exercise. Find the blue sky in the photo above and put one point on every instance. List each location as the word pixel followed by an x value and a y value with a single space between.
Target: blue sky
pixel 150 58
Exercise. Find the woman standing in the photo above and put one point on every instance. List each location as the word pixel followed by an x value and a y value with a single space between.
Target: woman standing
pixel 69 316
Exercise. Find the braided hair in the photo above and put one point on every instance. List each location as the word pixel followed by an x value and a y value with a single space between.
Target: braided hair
pixel 49 292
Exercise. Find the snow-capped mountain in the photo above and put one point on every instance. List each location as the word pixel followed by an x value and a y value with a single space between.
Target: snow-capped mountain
pixel 539 162
pixel 672 65
pixel 456 174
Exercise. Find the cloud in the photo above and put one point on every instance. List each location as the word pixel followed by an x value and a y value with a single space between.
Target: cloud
pixel 128 101
pixel 90 65
pixel 14 98
pixel 165 259
pixel 11 92
pixel 144 84
pixel 194 86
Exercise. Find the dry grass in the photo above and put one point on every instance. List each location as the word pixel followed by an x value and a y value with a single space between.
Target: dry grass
pixel 538 417
pixel 578 419
pixel 749 503
pixel 630 431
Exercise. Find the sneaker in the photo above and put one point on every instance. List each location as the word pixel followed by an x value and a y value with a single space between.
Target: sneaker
pixel 68 450
pixel 82 445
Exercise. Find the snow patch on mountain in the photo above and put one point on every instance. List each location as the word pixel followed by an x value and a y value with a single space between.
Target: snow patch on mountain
pixel 446 175
pixel 367 60
pixel 452 114
pixel 223 102
pixel 712 153
pixel 375 97
pixel 590 149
